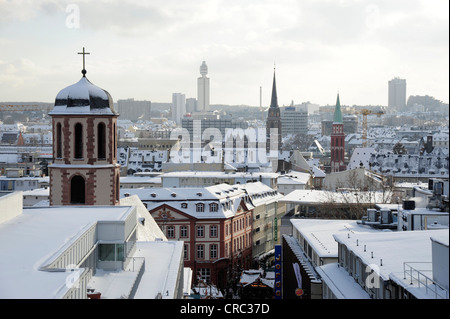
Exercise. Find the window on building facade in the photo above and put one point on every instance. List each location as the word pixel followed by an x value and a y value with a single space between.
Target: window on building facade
pixel 213 231
pixel 213 251
pixel 200 231
pixel 200 207
pixel 184 231
pixel 205 274
pixel 200 252
pixel 111 252
pixel 186 252
pixel 170 231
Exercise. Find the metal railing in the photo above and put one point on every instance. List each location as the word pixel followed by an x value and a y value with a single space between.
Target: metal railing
pixel 417 276
pixel 133 263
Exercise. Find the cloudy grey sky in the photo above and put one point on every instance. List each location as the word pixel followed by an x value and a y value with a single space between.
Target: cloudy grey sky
pixel 151 49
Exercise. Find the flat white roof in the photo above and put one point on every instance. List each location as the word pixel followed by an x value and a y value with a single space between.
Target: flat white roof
pixel 312 197
pixel 33 237
pixel 319 233
pixel 219 174
pixel 341 284
pixel 391 249
pixel 162 269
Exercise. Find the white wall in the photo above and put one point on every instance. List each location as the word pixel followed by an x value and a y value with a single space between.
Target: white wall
pixel 11 205
pixel 440 262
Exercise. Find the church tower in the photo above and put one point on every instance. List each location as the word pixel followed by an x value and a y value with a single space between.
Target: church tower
pixel 84 169
pixel 337 140
pixel 273 124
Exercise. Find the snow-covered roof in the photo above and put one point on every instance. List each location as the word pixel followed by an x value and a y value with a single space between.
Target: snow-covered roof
pixel 219 174
pixel 389 250
pixel 361 155
pixel 294 177
pixel 319 233
pixel 83 98
pixel 36 236
pixel 228 198
pixel 308 197
pixel 340 283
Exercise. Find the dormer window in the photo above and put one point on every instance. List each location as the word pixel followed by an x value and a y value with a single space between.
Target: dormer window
pixel 213 207
pixel 184 205
pixel 200 207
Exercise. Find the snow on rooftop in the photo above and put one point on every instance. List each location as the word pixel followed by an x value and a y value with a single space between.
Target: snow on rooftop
pixel 339 281
pixel 319 233
pixel 82 90
pixel 38 234
pixel 389 250
pixel 311 197
pixel 162 266
pixel 219 174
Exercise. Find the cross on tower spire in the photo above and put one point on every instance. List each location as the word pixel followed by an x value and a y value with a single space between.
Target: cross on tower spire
pixel 84 68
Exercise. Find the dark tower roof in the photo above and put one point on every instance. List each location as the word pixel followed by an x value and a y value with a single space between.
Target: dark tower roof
pixel 83 97
pixel 337 112
pixel 274 100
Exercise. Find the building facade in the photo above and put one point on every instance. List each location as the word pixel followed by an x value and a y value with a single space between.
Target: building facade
pixel 294 120
pixel 178 107
pixel 215 224
pixel 397 94
pixel 134 110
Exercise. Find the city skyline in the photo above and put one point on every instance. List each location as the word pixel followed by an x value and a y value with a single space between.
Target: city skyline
pixel 148 51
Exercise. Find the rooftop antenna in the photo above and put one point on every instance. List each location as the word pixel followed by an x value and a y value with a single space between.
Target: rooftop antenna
pixel 260 103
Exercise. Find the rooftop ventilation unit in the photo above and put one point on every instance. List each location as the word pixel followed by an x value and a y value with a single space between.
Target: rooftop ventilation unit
pixel 409 204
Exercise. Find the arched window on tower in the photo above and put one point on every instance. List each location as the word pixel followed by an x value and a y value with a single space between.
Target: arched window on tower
pixel 77 190
pixel 101 138
pixel 58 140
pixel 78 147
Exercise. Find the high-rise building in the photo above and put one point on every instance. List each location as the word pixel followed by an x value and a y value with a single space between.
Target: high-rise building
pixel 397 93
pixel 337 140
pixel 84 169
pixel 203 89
pixel 191 105
pixel 133 110
pixel 294 119
pixel 178 107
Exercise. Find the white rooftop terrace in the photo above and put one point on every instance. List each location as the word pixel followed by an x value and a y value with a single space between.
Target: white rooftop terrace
pixel 34 237
pixel 320 233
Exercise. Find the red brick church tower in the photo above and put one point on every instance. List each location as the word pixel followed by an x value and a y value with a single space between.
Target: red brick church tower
pixel 337 140
pixel 84 169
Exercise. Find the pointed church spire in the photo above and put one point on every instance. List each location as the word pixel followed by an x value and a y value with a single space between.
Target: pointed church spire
pixel 274 101
pixel 337 111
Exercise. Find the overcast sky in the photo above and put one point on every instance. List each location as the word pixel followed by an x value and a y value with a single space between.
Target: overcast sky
pixel 148 50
